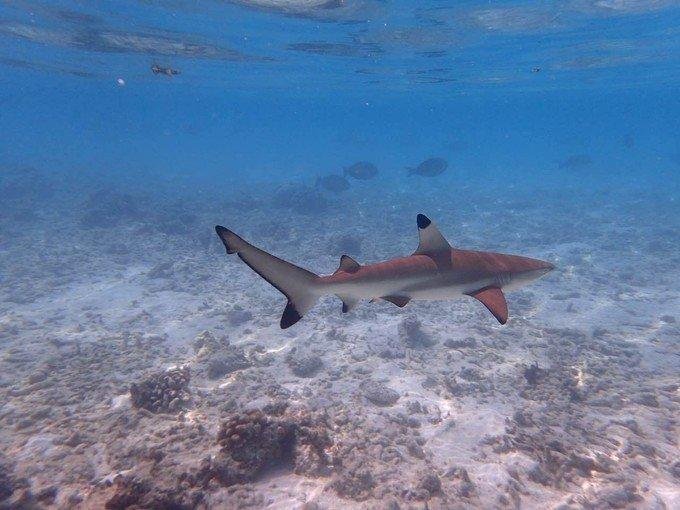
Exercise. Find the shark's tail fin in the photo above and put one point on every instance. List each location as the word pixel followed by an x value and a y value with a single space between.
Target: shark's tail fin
pixel 295 283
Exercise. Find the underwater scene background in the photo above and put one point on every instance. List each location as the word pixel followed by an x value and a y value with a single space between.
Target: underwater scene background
pixel 142 368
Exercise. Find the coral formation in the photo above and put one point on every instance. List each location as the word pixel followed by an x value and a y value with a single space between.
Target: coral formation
pixel 379 394
pixel 162 392
pixel 227 361
pixel 252 443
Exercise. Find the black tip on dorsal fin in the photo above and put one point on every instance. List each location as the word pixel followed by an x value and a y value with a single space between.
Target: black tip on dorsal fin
pixel 348 264
pixel 423 221
pixel 431 241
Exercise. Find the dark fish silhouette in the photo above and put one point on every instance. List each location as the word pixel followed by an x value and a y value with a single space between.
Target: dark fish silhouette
pixel 363 170
pixel 429 168
pixel 575 162
pixel 333 182
pixel 167 71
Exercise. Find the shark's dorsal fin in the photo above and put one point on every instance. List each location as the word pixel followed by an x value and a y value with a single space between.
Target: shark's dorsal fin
pixel 431 240
pixel 494 299
pixel 348 265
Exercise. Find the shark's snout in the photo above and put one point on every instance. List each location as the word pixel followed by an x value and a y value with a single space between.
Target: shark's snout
pixel 547 267
pixel 537 269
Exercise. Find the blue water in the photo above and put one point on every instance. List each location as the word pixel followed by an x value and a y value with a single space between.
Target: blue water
pixel 560 123
pixel 504 90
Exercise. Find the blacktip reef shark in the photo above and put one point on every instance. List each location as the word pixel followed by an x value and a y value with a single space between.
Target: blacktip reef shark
pixel 435 271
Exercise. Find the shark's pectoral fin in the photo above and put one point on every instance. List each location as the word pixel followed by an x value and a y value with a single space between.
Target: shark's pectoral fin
pixel 431 241
pixel 494 299
pixel 400 301
pixel 348 265
pixel 348 303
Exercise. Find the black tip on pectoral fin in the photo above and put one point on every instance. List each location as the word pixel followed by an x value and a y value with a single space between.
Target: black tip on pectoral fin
pixel 423 221
pixel 290 316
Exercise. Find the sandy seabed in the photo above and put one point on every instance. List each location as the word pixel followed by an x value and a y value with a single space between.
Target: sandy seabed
pixel 140 367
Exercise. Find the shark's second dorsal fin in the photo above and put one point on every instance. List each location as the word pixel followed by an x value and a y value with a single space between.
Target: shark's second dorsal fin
pixel 400 301
pixel 431 240
pixel 348 265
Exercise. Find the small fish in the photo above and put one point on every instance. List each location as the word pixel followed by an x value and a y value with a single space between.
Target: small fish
pixel 333 182
pixel 575 162
pixel 429 168
pixel 363 170
pixel 167 71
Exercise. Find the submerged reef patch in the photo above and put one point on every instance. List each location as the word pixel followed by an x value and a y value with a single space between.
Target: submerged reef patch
pixel 364 407
pixel 252 443
pixel 379 394
pixel 224 363
pixel 163 392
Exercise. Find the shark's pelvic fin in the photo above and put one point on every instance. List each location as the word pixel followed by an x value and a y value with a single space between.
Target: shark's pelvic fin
pixel 494 299
pixel 400 301
pixel 348 303
pixel 431 240
pixel 348 265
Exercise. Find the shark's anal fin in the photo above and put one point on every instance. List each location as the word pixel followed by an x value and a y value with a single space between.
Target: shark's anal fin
pixel 494 299
pixel 348 265
pixel 348 303
pixel 400 301
pixel 431 242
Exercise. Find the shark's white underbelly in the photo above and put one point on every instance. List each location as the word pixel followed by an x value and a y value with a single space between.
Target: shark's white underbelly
pixel 418 288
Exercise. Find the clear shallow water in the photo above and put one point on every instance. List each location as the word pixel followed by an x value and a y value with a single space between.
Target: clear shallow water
pixel 503 89
pixel 560 126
